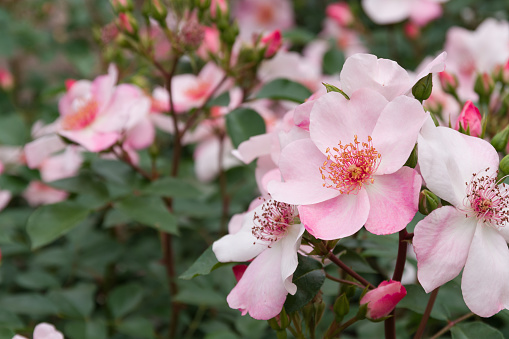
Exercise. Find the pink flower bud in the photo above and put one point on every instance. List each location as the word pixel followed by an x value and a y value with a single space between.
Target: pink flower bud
pixel 238 271
pixel 216 5
pixel 470 118
pixel 6 80
pixel 127 23
pixel 340 12
pixel 69 83
pixel 210 44
pixel 505 72
pixel 448 81
pixel 383 299
pixel 272 42
pixel 412 31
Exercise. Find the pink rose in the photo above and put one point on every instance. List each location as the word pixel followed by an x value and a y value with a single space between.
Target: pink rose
pixel 383 299
pixel 470 118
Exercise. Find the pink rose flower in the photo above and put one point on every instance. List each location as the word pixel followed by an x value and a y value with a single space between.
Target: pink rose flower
pixel 470 118
pixel 383 299
pixel 350 172
pixel 44 331
pixel 470 234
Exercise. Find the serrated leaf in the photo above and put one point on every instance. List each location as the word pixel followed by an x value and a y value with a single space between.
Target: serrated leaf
pixel 206 263
pixel 475 330
pixel 50 222
pixel 124 299
pixel 243 123
pixel 309 277
pixel 150 211
pixel 284 89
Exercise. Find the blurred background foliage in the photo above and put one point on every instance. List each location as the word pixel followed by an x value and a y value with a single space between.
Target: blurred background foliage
pixel 104 277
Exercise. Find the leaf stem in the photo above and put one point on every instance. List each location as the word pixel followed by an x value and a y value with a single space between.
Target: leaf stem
pixel 427 312
pixel 451 325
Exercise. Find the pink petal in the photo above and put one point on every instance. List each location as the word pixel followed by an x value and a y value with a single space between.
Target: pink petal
pixel 299 164
pixel 396 132
pixel 38 150
pixel 290 244
pixel 393 201
pixel 255 147
pixel 141 135
pixel 381 75
pixel 486 274
pixel 5 197
pixel 424 11
pixel 435 66
pixel 441 243
pixel 447 160
pixel 103 87
pixel 335 119
pixel 261 291
pixel 336 218
pixel 47 331
pixel 383 299
pixel 91 140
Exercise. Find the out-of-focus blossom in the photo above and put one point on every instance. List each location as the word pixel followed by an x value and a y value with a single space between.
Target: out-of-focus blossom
pixel 350 171
pixel 412 31
pixel 448 81
pixel 470 119
pixel 215 5
pixel 6 79
pixel 383 299
pixel 470 234
pixel 210 44
pixel 44 331
pixel 259 16
pixel 37 193
pixel 385 12
pixel 473 52
pixel 340 12
pixel 269 234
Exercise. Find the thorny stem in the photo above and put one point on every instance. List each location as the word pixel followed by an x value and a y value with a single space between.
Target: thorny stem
pixel 390 323
pixel 451 324
pixel 427 312
pixel 343 281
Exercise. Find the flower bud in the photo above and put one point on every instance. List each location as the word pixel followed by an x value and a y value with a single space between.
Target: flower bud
pixel 484 86
pixel 422 89
pixel 127 23
pixel 122 5
pixel 428 202
pixel 341 307
pixel 158 11
pixel 6 80
pixel 383 299
pixel 469 120
pixel 504 165
pixel 192 33
pixel 272 42
pixel 340 13
pixel 412 31
pixel 500 139
pixel 448 81
pixel 218 7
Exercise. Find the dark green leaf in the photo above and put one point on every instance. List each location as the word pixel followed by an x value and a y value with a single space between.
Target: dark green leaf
pixel 356 262
pixel 12 130
pixel 174 187
pixel 76 302
pixel 28 303
pixel 298 36
pixel 205 264
pixel 475 330
pixel 284 89
pixel 333 61
pixel 6 333
pixel 49 222
pixel 150 211
pixel 221 100
pixel 309 277
pixel 416 300
pixel 243 123
pixel 137 327
pixel 9 320
pixel 36 279
pixel 124 299
pixel 86 329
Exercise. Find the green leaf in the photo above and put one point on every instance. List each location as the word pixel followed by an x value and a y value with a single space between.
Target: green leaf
pixel 6 333
pixel 300 36
pixel 36 279
pixel 86 329
pixel 137 327
pixel 12 130
pixel 9 320
pixel 416 300
pixel 173 187
pixel 49 222
pixel 196 292
pixel 475 330
pixel 32 304
pixel 243 123
pixel 84 184
pixel 333 61
pixel 221 100
pixel 76 302
pixel 284 89
pixel 309 277
pixel 124 299
pixel 150 211
pixel 206 263
pixel 356 262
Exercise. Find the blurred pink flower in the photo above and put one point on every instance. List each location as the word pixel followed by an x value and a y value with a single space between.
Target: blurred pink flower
pixel 340 12
pixel 384 12
pixel 272 42
pixel 210 44
pixel 6 80
pixel 38 193
pixel 44 331
pixel 383 299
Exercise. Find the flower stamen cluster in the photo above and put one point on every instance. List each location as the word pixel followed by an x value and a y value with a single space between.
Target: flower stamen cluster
pixel 486 200
pixel 271 225
pixel 83 116
pixel 350 166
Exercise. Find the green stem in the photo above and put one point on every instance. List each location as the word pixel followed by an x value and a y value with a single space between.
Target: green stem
pixel 450 325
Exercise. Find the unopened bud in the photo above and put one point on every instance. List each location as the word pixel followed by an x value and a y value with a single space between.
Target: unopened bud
pixel 340 12
pixel 218 7
pixel 448 81
pixel 6 80
pixel 122 5
pixel 422 89
pixel 192 33
pixel 469 120
pixel 504 165
pixel 412 31
pixel 319 309
pixel 484 86
pixel 127 23
pixel 158 11
pixel 428 202
pixel 500 139
pixel 272 42
pixel 341 307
